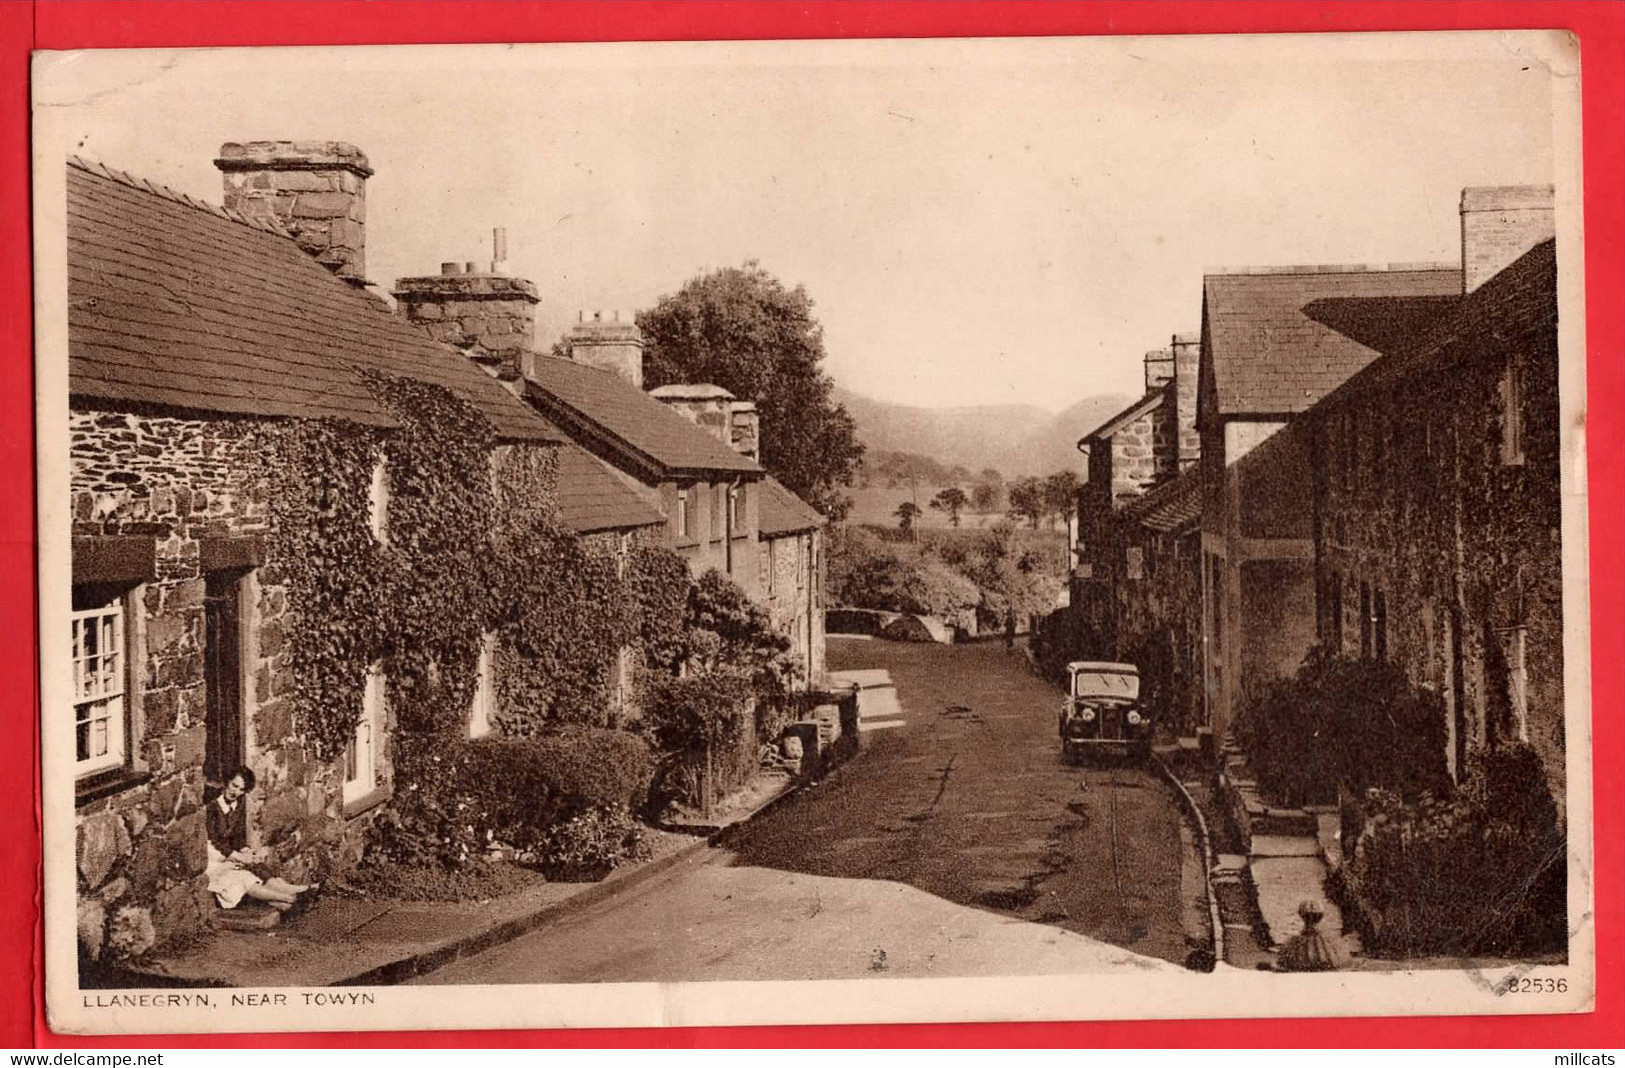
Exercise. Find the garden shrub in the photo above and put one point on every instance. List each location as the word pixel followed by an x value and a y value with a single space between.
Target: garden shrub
pixel 589 844
pixel 1061 637
pixel 1483 871
pixel 589 767
pixel 1358 723
pixel 699 722
pixel 455 797
pixel 728 633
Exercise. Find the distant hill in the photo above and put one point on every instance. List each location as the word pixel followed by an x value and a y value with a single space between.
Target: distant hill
pixel 1017 439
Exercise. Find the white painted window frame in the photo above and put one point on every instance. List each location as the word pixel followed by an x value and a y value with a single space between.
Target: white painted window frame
pixel 480 719
pixel 361 755
pixel 378 501
pixel 100 687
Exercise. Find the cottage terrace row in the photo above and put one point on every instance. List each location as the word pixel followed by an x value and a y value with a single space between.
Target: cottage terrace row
pixel 210 344
pixel 1376 471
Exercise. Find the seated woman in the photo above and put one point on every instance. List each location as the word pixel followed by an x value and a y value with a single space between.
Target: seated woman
pixel 231 860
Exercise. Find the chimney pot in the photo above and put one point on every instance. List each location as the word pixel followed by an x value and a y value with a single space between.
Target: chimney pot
pixel 499 250
pixel 451 267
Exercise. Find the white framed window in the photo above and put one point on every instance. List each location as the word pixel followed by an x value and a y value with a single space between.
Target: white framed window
pixel 99 674
pixel 378 501
pixel 682 513
pixel 361 756
pixel 480 717
pixel 733 509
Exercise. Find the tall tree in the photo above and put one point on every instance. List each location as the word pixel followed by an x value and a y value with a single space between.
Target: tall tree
pixel 906 514
pixel 1027 500
pixel 741 329
pixel 951 500
pixel 1061 494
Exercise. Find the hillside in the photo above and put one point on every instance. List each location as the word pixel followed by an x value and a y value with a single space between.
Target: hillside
pixel 1017 439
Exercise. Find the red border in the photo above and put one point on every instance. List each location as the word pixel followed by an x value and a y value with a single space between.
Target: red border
pixel 58 24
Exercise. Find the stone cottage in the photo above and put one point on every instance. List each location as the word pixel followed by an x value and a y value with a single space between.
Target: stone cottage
pixel 789 531
pixel 1274 341
pixel 1437 497
pixel 688 452
pixel 1134 546
pixel 194 332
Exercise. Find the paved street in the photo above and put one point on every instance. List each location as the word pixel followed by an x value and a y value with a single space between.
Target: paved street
pixel 958 844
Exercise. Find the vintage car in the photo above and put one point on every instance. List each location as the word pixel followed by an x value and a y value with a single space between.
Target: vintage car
pixel 1102 710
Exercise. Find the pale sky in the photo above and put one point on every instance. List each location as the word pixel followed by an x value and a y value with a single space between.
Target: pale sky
pixel 983 221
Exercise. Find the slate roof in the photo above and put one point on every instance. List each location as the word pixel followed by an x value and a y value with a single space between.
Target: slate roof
pixel 602 405
pixel 180 304
pixel 1279 340
pixel 780 512
pixel 1173 505
pixel 592 498
pixel 1517 300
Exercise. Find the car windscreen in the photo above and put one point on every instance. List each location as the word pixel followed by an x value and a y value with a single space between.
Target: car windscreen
pixel 1106 684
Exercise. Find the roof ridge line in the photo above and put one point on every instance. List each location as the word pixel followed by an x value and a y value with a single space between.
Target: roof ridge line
pixel 160 190
pixel 1400 266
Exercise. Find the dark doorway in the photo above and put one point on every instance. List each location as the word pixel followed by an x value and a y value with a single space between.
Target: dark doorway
pixel 223 674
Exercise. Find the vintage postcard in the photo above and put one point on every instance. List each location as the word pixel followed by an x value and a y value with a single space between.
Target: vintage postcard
pixel 815 531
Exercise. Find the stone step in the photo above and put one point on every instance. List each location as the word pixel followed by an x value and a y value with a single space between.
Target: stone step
pixel 248 916
pixel 1283 845
pixel 1284 822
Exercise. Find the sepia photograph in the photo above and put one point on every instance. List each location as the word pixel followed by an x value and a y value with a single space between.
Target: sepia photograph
pixel 812 532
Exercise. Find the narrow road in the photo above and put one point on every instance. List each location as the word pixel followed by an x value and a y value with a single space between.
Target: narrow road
pixel 957 844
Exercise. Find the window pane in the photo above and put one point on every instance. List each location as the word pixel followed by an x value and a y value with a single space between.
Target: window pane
pixel 82 746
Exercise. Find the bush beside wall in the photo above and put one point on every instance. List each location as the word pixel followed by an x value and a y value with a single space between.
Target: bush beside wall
pixel 1480 872
pixel 1338 721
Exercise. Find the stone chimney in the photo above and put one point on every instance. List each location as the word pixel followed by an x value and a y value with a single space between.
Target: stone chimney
pixel 745 429
pixel 1187 354
pixel 317 191
pixel 609 344
pixel 1499 224
pixel 486 312
pixel 1159 369
pixel 734 422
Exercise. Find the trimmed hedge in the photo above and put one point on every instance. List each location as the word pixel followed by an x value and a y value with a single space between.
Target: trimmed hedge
pixel 460 797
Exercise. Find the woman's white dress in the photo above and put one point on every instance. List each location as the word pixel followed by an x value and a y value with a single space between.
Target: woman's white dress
pixel 228 880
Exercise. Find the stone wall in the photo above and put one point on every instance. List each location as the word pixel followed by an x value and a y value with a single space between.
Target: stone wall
pixel 708 546
pixel 1135 458
pixel 792 585
pixel 1418 503
pixel 189 486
